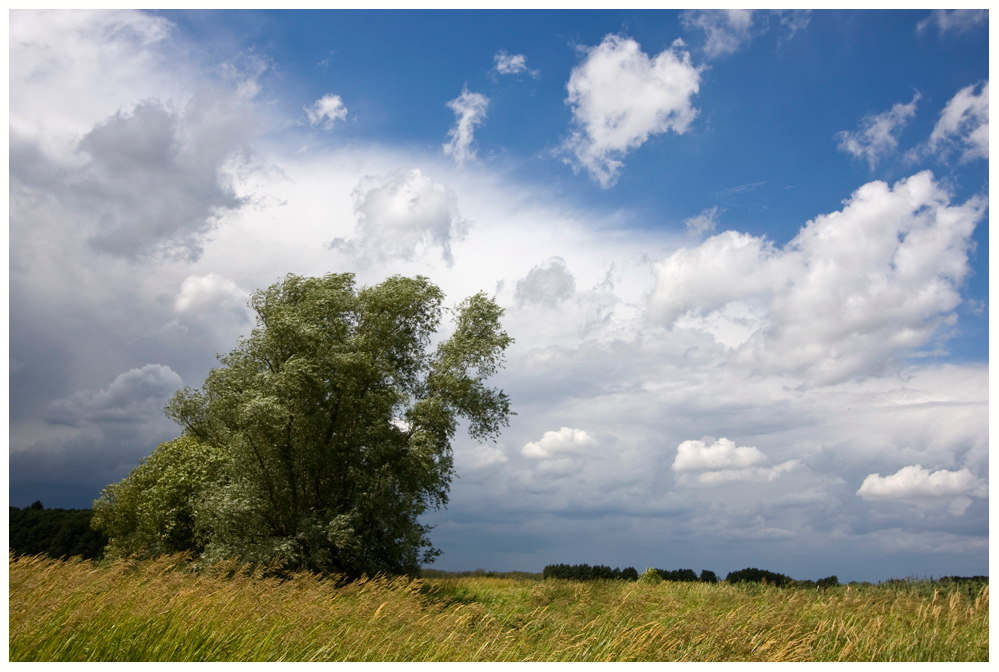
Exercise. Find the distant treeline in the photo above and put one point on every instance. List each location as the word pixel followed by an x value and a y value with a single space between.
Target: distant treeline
pixel 707 576
pixel 587 573
pixel 753 575
pixel 428 573
pixel 57 533
pixel 748 575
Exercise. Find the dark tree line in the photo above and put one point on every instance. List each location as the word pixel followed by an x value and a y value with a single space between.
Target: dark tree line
pixel 587 573
pixel 57 533
pixel 754 575
pixel 707 576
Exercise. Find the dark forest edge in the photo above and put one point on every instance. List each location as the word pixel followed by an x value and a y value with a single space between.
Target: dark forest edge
pixel 56 533
pixel 66 533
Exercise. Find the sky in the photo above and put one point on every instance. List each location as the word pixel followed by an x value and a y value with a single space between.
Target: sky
pixel 743 254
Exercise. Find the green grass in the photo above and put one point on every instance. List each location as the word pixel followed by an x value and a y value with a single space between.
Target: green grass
pixel 156 610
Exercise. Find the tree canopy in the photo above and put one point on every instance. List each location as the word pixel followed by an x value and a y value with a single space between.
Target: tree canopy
pixel 322 437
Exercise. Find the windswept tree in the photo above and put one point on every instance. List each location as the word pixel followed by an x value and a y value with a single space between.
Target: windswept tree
pixel 333 422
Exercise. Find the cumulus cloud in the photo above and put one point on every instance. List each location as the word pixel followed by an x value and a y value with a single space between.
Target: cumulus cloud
pixel 470 111
pixel 853 290
pixel 103 61
pixel 704 222
pixel 546 284
pixel 722 461
pixel 140 163
pixel 964 125
pixel 135 395
pixel 565 442
pixel 878 133
pixel 330 107
pixel 210 294
pixel 619 97
pixel 512 65
pixel 722 454
pixel 402 215
pixel 725 30
pixel 915 484
pixel 156 181
pixel 954 20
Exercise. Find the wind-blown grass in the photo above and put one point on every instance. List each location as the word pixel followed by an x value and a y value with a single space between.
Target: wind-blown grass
pixel 158 611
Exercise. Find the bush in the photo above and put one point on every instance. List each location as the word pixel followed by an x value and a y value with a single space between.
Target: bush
pixel 754 575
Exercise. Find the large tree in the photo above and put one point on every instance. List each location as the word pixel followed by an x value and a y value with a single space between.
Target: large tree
pixel 334 423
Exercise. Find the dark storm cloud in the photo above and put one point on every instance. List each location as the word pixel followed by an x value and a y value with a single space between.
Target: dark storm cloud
pixel 155 182
pixel 93 437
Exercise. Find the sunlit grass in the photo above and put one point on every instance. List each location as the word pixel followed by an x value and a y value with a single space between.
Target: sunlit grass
pixel 155 610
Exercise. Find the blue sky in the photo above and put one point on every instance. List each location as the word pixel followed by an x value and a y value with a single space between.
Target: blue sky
pixel 744 256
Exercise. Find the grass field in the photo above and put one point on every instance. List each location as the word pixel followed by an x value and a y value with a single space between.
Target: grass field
pixel 156 611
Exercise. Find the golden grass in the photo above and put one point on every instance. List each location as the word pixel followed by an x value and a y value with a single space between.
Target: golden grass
pixel 157 611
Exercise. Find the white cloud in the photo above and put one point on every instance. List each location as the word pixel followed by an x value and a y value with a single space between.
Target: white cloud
pixel 793 20
pixel 546 284
pixel 565 442
pixel 878 133
pixel 101 61
pixel 914 483
pixel 755 474
pixel 725 30
pixel 732 325
pixel 512 65
pixel 140 163
pixel 704 222
pixel 330 107
pixel 964 123
pixel 723 462
pixel 954 20
pixel 470 111
pixel 853 290
pixel 722 454
pixel 479 456
pixel 402 215
pixel 619 97
pixel 210 294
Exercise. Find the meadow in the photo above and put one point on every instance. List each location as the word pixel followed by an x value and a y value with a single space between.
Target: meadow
pixel 158 610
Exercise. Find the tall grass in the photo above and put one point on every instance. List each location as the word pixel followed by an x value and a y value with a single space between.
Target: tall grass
pixel 157 611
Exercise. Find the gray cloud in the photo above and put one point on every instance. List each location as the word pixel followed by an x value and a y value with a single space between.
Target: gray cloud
pixel 155 182
pixel 546 284
pixel 93 437
pixel 135 396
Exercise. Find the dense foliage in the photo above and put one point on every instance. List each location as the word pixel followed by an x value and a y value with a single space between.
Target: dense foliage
pixel 324 435
pixel 57 533
pixel 153 511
